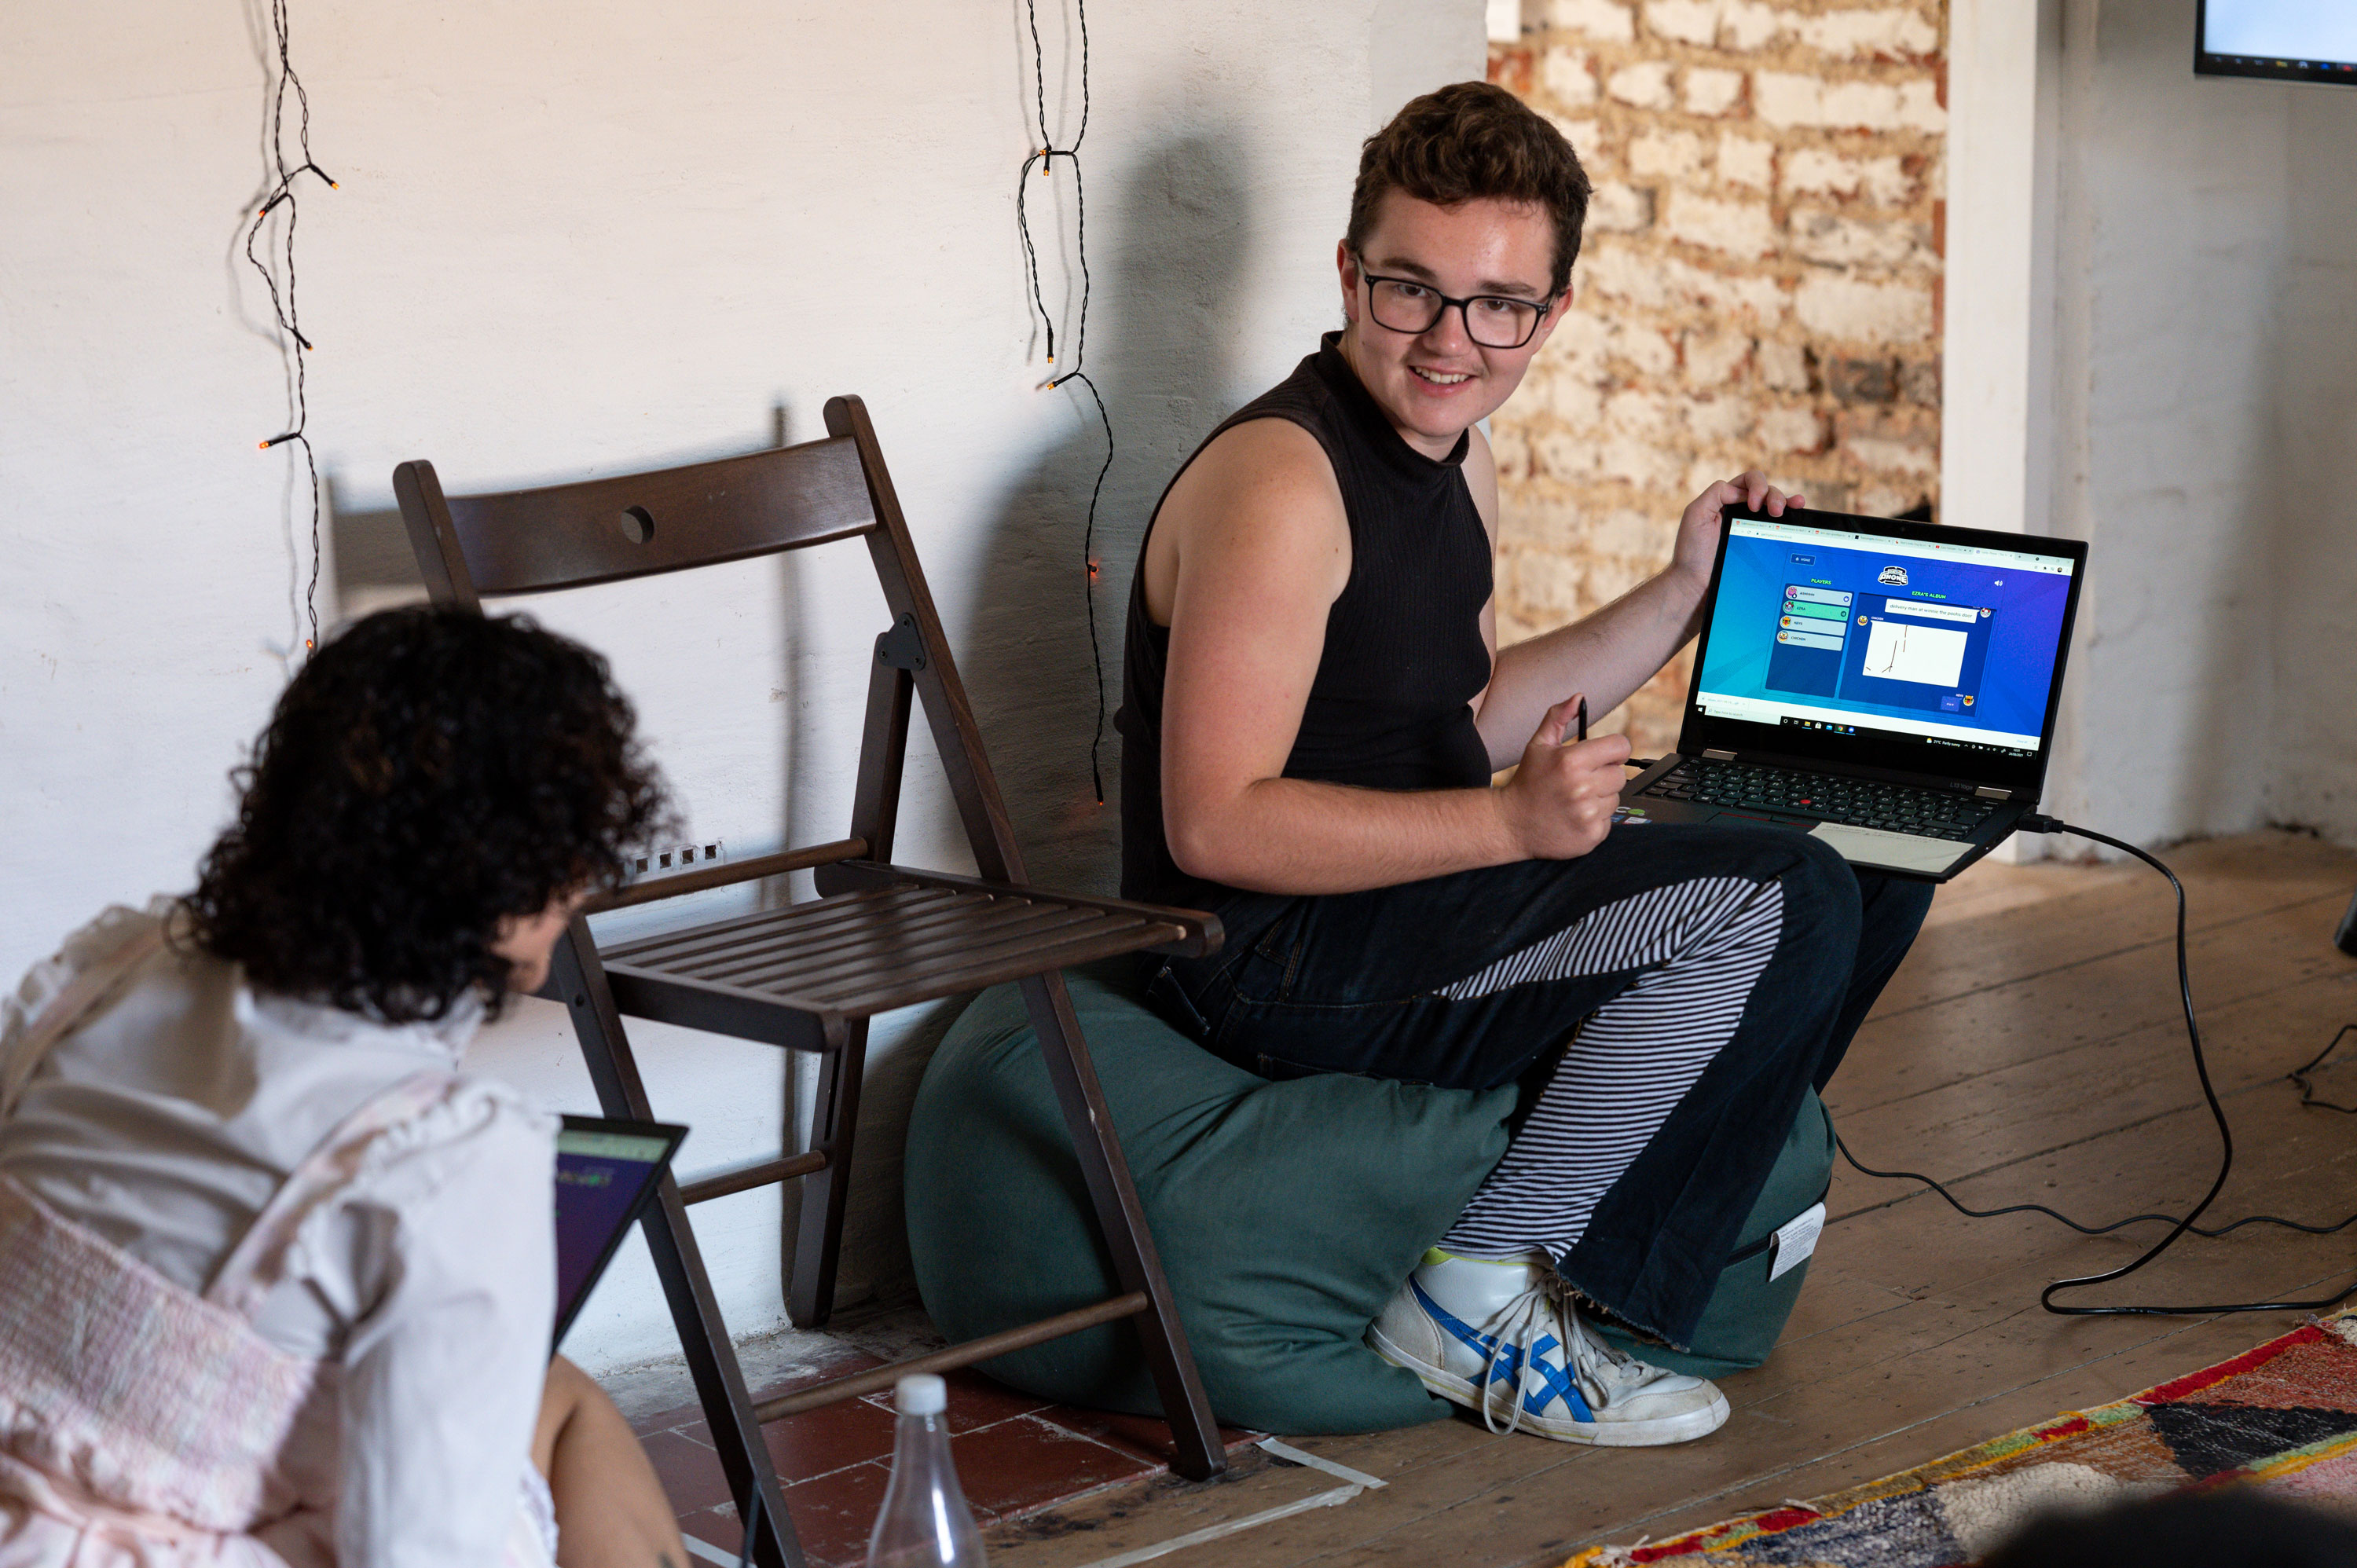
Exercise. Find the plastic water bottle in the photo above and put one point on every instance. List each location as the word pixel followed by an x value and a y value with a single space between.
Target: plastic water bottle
pixel 925 1523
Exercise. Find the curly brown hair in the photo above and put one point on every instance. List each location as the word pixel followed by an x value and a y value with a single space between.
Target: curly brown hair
pixel 1472 140
pixel 429 773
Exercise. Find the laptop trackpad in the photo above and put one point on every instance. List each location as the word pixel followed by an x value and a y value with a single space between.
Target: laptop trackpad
pixel 1903 852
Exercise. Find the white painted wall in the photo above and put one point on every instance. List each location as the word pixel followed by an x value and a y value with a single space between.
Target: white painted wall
pixel 2176 203
pixel 2312 777
pixel 588 238
pixel 2148 347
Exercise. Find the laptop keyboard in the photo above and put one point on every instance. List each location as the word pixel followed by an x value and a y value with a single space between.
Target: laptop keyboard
pixel 1859 802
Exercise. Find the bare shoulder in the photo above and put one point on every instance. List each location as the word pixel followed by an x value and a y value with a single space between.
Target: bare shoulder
pixel 1264 465
pixel 1260 498
pixel 1482 479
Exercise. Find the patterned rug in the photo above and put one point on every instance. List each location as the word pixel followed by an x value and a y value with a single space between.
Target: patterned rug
pixel 2284 1415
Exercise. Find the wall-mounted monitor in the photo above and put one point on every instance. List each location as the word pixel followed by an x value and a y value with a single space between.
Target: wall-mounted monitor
pixel 2280 40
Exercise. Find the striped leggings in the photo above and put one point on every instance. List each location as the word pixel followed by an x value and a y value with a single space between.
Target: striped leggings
pixel 1664 1001
pixel 1698 950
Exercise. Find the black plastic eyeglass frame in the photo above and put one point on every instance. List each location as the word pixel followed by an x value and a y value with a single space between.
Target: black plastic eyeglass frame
pixel 1463 313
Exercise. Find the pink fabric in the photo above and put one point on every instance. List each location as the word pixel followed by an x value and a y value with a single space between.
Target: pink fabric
pixel 139 1424
pixel 129 1388
pixel 143 1426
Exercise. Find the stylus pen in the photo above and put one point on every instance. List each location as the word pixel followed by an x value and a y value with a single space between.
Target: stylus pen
pixel 1583 719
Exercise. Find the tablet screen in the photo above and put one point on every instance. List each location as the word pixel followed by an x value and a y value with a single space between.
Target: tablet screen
pixel 604 1173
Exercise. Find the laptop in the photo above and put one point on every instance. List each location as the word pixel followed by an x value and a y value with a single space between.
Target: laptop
pixel 1888 686
pixel 607 1173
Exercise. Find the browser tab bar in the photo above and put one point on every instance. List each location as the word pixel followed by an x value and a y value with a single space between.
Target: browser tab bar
pixel 1911 549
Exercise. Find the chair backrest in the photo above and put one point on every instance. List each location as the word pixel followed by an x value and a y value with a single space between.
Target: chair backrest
pixel 634 525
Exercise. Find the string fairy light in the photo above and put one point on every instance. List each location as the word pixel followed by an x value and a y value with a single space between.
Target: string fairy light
pixel 282 306
pixel 1044 157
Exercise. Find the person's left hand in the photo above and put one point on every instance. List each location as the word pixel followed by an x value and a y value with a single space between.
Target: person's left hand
pixel 1697 544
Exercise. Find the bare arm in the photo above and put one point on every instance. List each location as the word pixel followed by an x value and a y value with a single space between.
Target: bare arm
pixel 1611 652
pixel 611 1508
pixel 1248 554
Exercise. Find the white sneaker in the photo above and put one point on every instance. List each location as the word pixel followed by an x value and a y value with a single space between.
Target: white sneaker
pixel 1492 1338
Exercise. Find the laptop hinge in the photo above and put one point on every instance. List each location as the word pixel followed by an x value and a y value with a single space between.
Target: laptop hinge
pixel 1719 755
pixel 1991 792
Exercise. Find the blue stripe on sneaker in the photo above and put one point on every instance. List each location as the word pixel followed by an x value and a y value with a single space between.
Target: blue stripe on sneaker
pixel 1556 1383
pixel 1505 1363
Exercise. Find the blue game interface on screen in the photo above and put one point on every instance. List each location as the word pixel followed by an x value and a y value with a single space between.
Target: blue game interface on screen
pixel 1936 645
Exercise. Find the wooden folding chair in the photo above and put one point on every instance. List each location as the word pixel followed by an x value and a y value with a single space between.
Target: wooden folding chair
pixel 809 976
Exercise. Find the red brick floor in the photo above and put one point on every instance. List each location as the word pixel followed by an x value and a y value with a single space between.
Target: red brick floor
pixel 1014 1454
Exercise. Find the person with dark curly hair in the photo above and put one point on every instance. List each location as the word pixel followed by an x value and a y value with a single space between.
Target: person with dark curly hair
pixel 279 1274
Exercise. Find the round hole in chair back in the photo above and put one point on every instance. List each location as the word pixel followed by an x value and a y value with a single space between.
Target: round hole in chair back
pixel 638 524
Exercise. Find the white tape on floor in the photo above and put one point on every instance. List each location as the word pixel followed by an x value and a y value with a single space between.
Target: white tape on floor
pixel 1287 1451
pixel 1360 1481
pixel 1338 1496
pixel 708 1551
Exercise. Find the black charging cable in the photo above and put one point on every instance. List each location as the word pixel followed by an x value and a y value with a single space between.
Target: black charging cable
pixel 2178 1226
pixel 2299 1075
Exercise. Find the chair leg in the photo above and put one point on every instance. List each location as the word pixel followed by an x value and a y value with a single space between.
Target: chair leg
pixel 1122 1219
pixel 580 983
pixel 834 1121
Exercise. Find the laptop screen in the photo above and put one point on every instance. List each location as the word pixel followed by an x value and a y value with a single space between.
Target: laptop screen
pixel 1921 648
pixel 604 1173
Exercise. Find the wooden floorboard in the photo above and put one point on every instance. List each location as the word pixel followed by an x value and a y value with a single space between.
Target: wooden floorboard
pixel 2032 1048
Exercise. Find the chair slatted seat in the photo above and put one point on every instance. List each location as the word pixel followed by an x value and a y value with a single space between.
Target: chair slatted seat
pixel 858 954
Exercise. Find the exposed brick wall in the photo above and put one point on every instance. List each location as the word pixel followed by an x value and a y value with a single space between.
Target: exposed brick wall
pixel 1760 284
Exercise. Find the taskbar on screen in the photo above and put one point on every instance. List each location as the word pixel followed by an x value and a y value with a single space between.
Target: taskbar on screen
pixel 1822 727
pixel 1835 721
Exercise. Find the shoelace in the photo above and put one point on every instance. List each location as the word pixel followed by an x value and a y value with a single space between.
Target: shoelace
pixel 1588 1349
pixel 1528 1321
pixel 1518 1334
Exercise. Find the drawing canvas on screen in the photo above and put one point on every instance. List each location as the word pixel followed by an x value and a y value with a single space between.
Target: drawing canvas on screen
pixel 1908 650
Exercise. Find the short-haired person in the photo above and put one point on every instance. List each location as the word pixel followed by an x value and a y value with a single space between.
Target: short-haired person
pixel 279 1275
pixel 1313 707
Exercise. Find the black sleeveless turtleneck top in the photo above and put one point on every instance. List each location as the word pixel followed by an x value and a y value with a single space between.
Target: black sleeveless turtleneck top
pixel 1389 708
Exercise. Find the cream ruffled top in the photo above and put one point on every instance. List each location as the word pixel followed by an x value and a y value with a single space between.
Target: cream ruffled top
pixel 168 1117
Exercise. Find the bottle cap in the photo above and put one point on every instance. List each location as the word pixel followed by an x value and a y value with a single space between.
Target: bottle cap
pixel 921 1394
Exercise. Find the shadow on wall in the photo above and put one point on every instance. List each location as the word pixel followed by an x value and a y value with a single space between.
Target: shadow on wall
pixel 1164 319
pixel 372 566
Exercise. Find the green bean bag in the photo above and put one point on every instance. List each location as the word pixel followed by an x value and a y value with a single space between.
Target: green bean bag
pixel 1287 1214
pixel 1747 1310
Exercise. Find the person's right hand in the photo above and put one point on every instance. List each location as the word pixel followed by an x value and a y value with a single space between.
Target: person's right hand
pixel 1559 804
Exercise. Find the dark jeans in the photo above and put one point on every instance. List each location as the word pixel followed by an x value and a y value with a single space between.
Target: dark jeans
pixel 1351 983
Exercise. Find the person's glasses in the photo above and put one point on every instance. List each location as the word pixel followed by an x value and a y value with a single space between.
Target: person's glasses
pixel 1492 320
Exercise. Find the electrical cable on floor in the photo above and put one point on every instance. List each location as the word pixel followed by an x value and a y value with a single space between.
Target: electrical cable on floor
pixel 282 307
pixel 2179 1226
pixel 2299 1075
pixel 1969 1213
pixel 1045 158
